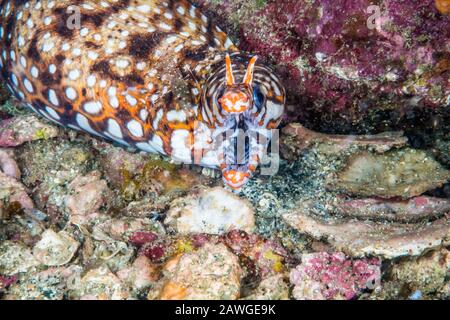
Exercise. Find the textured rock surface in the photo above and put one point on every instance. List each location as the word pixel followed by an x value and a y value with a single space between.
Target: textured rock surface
pixel 16 131
pixel 212 272
pixel 296 138
pixel 353 56
pixel 402 173
pixel 15 258
pixel 328 276
pixel 427 274
pixel 213 211
pixel 411 210
pixel 363 238
pixel 55 249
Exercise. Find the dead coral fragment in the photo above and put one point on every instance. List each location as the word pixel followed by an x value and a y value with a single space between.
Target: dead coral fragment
pixel 16 131
pixel 213 211
pixel 404 173
pixel 358 238
pixel 55 249
pixel 298 138
pixel 210 273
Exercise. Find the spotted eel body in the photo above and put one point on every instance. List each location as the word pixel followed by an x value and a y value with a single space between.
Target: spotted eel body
pixel 157 75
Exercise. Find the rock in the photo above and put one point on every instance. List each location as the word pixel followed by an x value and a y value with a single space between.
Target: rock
pixel 271 288
pixel 211 273
pixel 100 284
pixel 16 131
pixel 296 138
pixel 364 238
pixel 50 284
pixel 349 58
pixel 12 191
pixel 8 165
pixel 212 211
pixel 88 194
pixel 127 229
pixel 48 167
pixel 406 211
pixel 15 258
pixel 324 276
pixel 426 273
pixel 140 275
pixel 402 173
pixel 55 249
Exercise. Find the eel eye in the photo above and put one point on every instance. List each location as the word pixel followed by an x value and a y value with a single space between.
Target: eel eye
pixel 235 179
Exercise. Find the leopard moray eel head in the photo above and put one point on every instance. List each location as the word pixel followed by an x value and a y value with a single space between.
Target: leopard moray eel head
pixel 156 75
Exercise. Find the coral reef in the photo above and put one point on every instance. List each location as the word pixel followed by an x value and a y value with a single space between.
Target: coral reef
pixel 347 216
pixel 348 58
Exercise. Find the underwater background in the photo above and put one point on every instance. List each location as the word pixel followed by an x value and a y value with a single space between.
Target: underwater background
pixel 359 208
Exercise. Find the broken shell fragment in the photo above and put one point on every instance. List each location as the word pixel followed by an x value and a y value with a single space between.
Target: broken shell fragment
pixel 401 173
pixel 55 249
pixel 212 211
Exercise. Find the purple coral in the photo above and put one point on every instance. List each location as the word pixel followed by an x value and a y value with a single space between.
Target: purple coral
pixel 334 276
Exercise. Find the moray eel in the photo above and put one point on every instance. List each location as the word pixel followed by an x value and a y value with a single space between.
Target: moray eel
pixel 156 75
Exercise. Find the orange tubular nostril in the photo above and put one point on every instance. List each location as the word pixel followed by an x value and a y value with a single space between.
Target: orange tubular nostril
pixel 443 6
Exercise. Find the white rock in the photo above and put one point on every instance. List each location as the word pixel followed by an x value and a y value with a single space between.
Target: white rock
pixel 213 211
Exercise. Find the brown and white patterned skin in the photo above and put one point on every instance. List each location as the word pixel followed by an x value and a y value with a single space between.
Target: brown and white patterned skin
pixel 138 72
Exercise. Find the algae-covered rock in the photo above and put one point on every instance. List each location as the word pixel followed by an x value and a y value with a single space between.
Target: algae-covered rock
pixel 401 173
pixel 16 131
pixel 210 273
pixel 366 238
pixel 427 273
pixel 15 258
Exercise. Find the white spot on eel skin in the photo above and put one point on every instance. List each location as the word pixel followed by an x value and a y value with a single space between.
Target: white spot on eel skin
pixel 52 113
pixel 93 107
pixel 71 93
pixel 135 128
pixel 52 97
pixel 114 129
